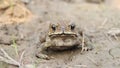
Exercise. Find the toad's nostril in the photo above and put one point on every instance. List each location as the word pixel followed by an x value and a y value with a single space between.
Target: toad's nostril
pixel 63 29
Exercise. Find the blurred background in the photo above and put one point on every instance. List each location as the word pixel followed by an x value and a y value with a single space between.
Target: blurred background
pixel 22 21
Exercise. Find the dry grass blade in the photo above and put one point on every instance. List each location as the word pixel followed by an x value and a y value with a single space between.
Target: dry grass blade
pixel 103 23
pixel 8 59
pixel 116 37
pixel 21 57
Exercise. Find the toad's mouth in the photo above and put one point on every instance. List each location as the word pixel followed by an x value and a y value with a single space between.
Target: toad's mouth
pixel 62 34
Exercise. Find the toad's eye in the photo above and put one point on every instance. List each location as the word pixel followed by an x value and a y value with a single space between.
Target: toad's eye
pixel 72 26
pixel 53 27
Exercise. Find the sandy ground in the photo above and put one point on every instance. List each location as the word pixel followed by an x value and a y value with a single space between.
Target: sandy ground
pixel 96 19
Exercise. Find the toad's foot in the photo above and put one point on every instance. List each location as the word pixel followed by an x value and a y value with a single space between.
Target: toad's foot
pixel 43 56
pixel 84 49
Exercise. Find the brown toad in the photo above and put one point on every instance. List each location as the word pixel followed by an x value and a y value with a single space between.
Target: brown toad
pixel 63 36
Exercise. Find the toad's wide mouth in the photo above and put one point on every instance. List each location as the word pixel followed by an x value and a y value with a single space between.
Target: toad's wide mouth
pixel 63 34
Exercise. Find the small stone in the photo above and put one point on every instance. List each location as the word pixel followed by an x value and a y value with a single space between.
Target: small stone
pixel 26 1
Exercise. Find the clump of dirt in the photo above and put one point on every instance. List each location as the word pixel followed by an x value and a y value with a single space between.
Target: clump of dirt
pixel 13 11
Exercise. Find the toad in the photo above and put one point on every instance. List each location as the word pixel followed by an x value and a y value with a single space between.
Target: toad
pixel 63 36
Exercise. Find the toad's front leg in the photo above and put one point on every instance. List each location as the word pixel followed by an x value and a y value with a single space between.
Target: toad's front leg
pixel 86 44
pixel 41 51
pixel 84 47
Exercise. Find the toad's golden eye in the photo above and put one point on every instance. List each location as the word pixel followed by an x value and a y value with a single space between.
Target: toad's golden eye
pixel 53 27
pixel 72 26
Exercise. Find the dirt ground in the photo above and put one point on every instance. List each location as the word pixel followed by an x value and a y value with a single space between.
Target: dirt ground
pixel 20 37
